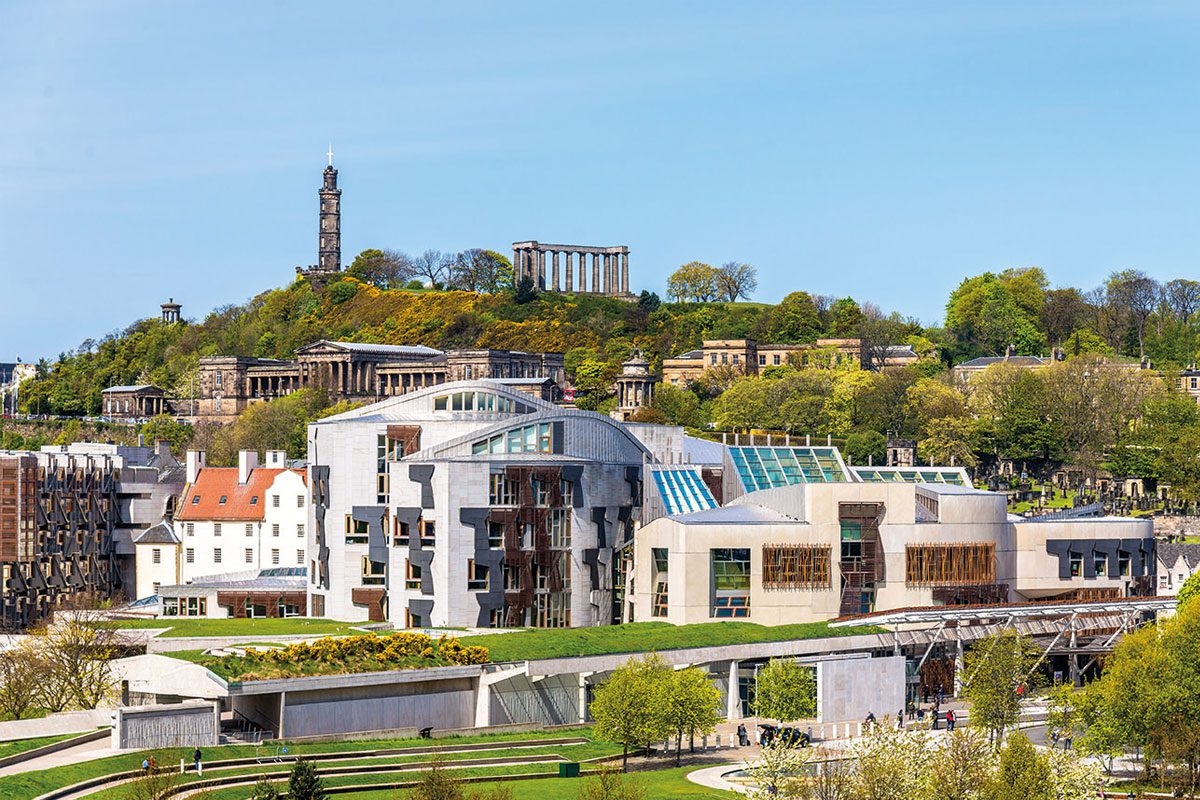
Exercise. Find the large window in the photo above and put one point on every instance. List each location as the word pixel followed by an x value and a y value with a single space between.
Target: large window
pixel 357 531
pixel 501 491
pixel 477 576
pixel 659 605
pixel 951 564
pixel 731 582
pixel 796 567
pixel 374 573
pixel 559 521
pixel 479 401
pixel 852 549
pixel 529 439
pixel 381 469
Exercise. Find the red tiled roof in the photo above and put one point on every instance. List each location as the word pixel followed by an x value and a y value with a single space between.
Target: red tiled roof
pixel 202 499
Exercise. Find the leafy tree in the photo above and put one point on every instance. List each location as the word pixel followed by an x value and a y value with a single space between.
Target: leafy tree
pixel 845 318
pixel 948 441
pixel 23 673
pixel 694 281
pixel 929 400
pixel 525 291
pixel 477 270
pixel 648 301
pixel 628 707
pixel 165 428
pixel 735 280
pixel 1021 774
pixel 386 269
pixel 1083 342
pixel 610 784
pixel 432 267
pixel 777 773
pixel 593 383
pixel 690 705
pixel 264 789
pixel 342 291
pixel 436 783
pixel 1136 295
pixel 888 763
pixel 785 690
pixel 999 673
pixel 961 769
pixel 1189 591
pixel 304 783
pixel 794 320
pixel 864 447
pixel 677 406
pixel 988 312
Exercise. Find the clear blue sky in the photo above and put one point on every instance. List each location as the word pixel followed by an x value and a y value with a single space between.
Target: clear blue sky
pixel 879 150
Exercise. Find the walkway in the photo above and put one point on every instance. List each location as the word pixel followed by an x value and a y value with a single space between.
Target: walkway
pixel 88 751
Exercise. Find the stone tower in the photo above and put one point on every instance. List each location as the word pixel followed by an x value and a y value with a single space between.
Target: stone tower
pixel 170 311
pixel 329 251
pixel 635 386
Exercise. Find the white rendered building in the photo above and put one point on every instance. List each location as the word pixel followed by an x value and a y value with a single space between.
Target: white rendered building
pixel 470 503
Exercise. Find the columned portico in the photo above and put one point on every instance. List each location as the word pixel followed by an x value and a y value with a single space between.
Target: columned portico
pixel 610 267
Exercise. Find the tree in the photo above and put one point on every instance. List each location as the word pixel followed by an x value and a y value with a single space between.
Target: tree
pixel 22 674
pixel 648 301
pixel 525 291
pixel 477 270
pixel 735 280
pixel 1063 312
pixel 948 441
pixel 593 383
pixel 962 766
pixel 628 707
pixel 304 783
pixel 165 428
pixel 436 783
pixel 1182 297
pixel 888 763
pixel 694 281
pixel 786 691
pixel 778 773
pixel 1022 773
pixel 77 650
pixel 1189 591
pixel 432 267
pixel 386 269
pixel 866 447
pixel 690 705
pixel 156 783
pixel 342 291
pixel 794 320
pixel 999 673
pixel 1136 295
pixel 677 406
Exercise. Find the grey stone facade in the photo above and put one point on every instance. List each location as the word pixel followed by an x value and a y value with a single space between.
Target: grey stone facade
pixel 609 273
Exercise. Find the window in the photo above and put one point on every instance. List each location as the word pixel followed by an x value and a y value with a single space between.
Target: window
pixel 658 607
pixel 852 549
pixel 381 469
pixel 762 361
pixel 216 529
pixel 190 555
pixel 275 529
pixel 1123 563
pixel 249 528
pixel 495 534
pixel 412 576
pixel 567 490
pixel 730 582
pixel 1100 564
pixel 501 491
pixel 254 500
pixel 559 522
pixel 796 567
pixel 374 573
pixel 538 438
pixel 222 500
pixel 299 501
pixel 479 401
pixel 191 529
pixel 477 576
pixel 400 533
pixel 735 358
pixel 1076 561
pixel 428 532
pixel 155 586
pixel 299 558
pixel 776 359
pixel 713 358
pixel 195 499
pixel 216 555
pixel 357 531
pixel 299 530
pixel 274 501
pixel 249 556
pixel 220 382
pixel 156 556
pixel 541 493
pixel 512 578
pixel 275 556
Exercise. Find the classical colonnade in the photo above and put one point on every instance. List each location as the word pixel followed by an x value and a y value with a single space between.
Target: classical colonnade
pixel 609 272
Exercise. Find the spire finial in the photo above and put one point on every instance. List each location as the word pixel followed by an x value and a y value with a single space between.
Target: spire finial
pixel 330 154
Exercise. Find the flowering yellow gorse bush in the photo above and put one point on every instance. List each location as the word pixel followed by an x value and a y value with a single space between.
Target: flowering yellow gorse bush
pixel 356 653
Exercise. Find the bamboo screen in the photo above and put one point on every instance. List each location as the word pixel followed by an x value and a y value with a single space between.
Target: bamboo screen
pixel 796 566
pixel 929 564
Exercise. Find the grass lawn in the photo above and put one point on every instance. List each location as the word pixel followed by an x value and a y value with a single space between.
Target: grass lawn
pixel 290 626
pixel 641 636
pixel 22 745
pixel 28 785
pixel 659 785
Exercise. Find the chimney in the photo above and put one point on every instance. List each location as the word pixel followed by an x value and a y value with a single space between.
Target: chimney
pixel 195 463
pixel 163 448
pixel 276 459
pixel 247 461
pixel 141 440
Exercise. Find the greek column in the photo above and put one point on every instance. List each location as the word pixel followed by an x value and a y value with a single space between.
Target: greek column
pixel 595 272
pixel 554 270
pixel 570 275
pixel 625 273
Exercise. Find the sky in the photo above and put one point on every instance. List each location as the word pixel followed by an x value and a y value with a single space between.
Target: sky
pixel 882 151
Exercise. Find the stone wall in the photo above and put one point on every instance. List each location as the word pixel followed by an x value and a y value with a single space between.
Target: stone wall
pixel 195 723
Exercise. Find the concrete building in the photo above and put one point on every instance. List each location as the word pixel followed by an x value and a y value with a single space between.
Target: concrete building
pixel 68 515
pixel 227 385
pixel 230 519
pixel 134 402
pixel 469 504
pixel 11 376
pixel 800 536
pixel 246 594
pixel 748 357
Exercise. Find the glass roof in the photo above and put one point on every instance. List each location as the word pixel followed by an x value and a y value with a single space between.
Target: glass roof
pixel 770 467
pixel 952 475
pixel 682 490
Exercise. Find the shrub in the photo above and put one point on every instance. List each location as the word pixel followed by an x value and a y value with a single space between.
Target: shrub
pixel 342 291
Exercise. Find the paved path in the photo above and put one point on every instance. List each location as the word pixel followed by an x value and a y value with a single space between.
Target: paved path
pixel 72 755
pixel 711 778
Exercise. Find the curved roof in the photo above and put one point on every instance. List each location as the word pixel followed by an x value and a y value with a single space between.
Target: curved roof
pixel 420 401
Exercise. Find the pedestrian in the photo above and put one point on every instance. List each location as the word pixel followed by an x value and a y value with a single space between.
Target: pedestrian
pixel 900 718
pixel 743 739
pixel 145 765
pixel 920 714
pixel 950 720
pixel 939 695
pixel 935 718
pixel 196 760
pixel 153 764
pixel 870 721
